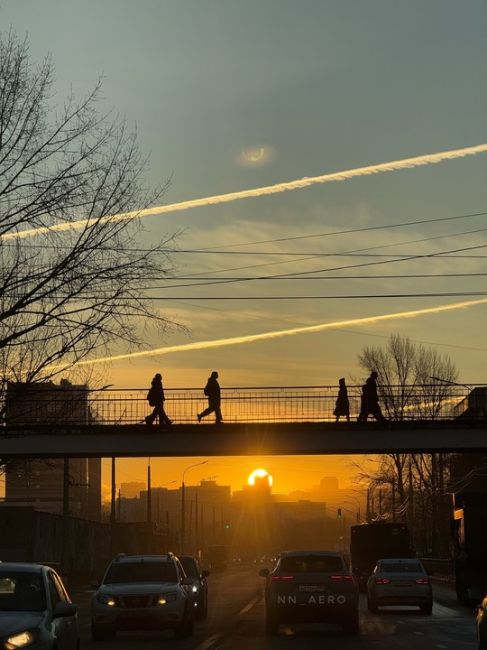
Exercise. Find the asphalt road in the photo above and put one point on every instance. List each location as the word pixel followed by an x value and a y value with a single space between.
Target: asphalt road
pixel 236 622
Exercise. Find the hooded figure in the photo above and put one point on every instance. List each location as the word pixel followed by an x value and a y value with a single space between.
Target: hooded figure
pixel 342 406
pixel 212 391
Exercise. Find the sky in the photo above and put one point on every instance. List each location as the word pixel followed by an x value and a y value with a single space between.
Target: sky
pixel 228 96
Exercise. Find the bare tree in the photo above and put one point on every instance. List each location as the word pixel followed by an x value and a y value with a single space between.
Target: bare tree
pixel 66 294
pixel 414 381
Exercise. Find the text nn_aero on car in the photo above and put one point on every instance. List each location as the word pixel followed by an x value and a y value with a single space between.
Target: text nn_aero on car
pixel 143 592
pixel 35 609
pixel 401 581
pixel 198 576
pixel 310 587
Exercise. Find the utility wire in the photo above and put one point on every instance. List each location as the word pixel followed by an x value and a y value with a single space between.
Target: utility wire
pixel 353 230
pixel 276 240
pixel 200 282
pixel 247 298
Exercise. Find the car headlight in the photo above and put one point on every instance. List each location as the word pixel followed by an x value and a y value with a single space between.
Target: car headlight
pixel 107 599
pixel 163 599
pixel 20 640
pixel 194 589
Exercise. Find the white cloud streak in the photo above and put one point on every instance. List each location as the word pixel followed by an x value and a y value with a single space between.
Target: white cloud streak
pixel 265 336
pixel 394 165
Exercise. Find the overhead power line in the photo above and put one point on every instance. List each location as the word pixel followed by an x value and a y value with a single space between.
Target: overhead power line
pixel 100 296
pixel 224 249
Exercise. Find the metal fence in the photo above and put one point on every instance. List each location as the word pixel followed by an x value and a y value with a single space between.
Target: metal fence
pixel 80 405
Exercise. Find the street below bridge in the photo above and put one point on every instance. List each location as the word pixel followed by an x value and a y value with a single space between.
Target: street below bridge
pixel 236 622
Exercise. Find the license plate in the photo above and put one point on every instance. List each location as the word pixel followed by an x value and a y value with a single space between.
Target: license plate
pixel 312 588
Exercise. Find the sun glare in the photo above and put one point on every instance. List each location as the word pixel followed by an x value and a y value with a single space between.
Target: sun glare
pixel 259 473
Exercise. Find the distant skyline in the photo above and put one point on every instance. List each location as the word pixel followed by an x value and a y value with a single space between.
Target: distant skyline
pixel 228 96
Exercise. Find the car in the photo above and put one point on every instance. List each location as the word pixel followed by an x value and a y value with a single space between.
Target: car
pixel 310 587
pixel 35 609
pixel 400 581
pixel 198 576
pixel 481 620
pixel 143 592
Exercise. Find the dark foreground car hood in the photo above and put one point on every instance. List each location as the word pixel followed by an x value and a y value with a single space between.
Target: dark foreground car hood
pixel 13 622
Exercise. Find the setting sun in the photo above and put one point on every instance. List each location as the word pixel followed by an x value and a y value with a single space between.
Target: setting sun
pixel 259 473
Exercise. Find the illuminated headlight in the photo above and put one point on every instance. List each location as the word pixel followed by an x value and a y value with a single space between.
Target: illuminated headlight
pixel 22 640
pixel 106 599
pixel 194 589
pixel 163 599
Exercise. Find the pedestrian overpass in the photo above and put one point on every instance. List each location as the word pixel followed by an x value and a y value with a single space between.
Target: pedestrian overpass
pixel 254 439
pixel 51 422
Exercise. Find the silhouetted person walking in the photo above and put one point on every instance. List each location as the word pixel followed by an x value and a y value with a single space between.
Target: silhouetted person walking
pixel 212 391
pixel 156 398
pixel 342 406
pixel 370 400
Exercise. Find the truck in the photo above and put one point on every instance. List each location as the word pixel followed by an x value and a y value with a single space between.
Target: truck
pixel 217 556
pixel 374 541
pixel 469 532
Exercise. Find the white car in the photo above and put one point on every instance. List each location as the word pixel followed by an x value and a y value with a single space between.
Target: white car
pixel 400 581
pixel 143 592
pixel 35 609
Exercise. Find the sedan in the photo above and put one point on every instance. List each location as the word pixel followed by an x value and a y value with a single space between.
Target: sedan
pixel 310 587
pixel 35 609
pixel 399 582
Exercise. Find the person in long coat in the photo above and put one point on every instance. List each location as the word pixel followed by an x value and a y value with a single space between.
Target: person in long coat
pixel 156 398
pixel 342 406
pixel 213 392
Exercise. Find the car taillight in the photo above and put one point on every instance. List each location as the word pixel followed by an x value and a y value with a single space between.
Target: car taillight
pixel 422 581
pixel 282 577
pixel 382 581
pixel 342 578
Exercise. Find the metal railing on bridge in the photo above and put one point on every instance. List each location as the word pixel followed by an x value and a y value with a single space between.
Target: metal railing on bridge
pixel 79 405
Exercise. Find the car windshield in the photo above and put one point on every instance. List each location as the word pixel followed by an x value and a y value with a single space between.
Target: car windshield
pixel 190 567
pixel 401 567
pixel 21 592
pixel 312 564
pixel 141 572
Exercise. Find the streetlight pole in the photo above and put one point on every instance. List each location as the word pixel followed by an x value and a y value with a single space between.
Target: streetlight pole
pixel 183 505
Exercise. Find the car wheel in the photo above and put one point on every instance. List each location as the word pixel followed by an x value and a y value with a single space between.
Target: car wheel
pixel 352 625
pixel 271 625
pixel 101 633
pixel 427 609
pixel 372 605
pixel 186 629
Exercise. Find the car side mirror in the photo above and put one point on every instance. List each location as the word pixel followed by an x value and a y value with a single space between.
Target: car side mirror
pixel 205 574
pixel 264 573
pixel 64 610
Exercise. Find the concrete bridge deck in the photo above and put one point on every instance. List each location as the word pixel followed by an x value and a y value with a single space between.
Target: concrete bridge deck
pixel 242 439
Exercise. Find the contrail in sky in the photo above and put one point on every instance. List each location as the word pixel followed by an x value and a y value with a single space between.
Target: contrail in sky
pixel 251 338
pixel 427 159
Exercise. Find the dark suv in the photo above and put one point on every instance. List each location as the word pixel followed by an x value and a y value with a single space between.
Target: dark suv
pixel 195 573
pixel 310 587
pixel 143 592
